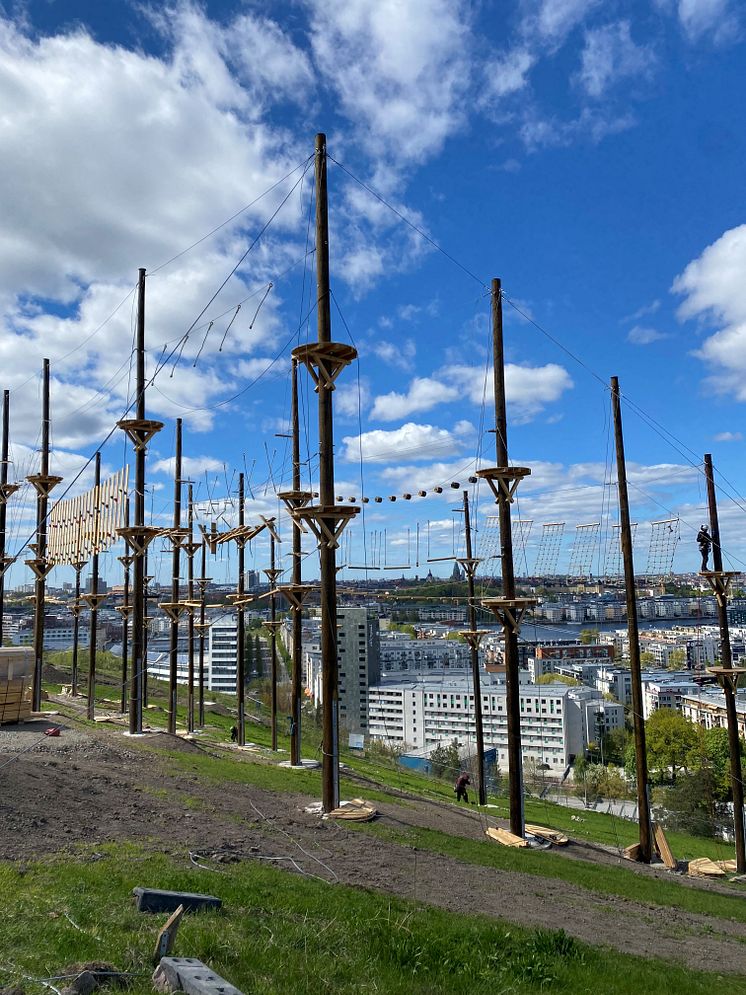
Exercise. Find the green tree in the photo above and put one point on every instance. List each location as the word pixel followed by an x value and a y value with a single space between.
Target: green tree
pixel 258 656
pixel 647 659
pixel 670 741
pixel 558 679
pixel 445 761
pixel 677 659
pixel 588 636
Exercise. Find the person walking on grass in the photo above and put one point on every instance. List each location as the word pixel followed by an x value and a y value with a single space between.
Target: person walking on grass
pixel 460 787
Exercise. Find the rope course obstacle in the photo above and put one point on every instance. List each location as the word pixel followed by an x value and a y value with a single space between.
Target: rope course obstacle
pixel 550 543
pixel 88 523
pixel 613 555
pixel 664 538
pixel 583 549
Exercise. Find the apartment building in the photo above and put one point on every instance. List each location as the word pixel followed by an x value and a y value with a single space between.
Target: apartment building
pixel 706 707
pixel 557 721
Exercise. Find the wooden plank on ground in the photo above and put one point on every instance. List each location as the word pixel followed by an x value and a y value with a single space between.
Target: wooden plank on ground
pixel 664 850
pixel 703 867
pixel 632 852
pixel 504 837
pixel 551 835
pixel 166 937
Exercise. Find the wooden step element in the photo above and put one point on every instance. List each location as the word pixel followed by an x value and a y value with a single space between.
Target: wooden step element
pixel 505 837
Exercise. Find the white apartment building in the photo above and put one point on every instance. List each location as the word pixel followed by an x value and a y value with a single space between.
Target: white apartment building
pixel 220 657
pixel 404 654
pixel 706 707
pixel 557 721
pixel 358 644
pixel 665 693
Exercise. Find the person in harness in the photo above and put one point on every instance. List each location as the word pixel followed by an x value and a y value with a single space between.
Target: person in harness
pixel 460 787
pixel 704 541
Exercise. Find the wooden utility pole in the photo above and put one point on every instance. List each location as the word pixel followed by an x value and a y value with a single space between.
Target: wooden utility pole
pixel 126 610
pixel 76 608
pixel 641 756
pixel 272 575
pixel 92 599
pixel 509 610
pixel 325 360
pixel 6 490
pixel 190 551
pixel 240 621
pixel 137 536
pixel 202 629
pixel 43 483
pixel 474 638
pixel 173 647
pixel 727 675
pixel 297 608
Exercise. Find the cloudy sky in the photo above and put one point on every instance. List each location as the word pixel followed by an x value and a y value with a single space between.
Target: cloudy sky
pixel 587 153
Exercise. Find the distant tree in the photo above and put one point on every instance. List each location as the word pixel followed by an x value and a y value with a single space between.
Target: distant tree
pixel 671 740
pixel 258 656
pixel 647 659
pixel 558 679
pixel 445 761
pixel 588 636
pixel 677 659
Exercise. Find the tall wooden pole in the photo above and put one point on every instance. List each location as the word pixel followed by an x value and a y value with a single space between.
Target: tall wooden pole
pixel 273 639
pixel 240 623
pixel 190 617
pixel 297 676
pixel 512 678
pixel 41 544
pixel 4 505
pixel 327 552
pixel 641 756
pixel 93 615
pixel 126 560
pixel 203 587
pixel 138 582
pixel 78 567
pixel 173 648
pixel 726 663
pixel 474 648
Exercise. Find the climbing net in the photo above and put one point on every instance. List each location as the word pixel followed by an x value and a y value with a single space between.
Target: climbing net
pixel 664 538
pixel 548 553
pixel 613 554
pixel 583 549
pixel 489 545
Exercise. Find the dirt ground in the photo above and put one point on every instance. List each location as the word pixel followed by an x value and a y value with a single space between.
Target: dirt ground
pixel 96 787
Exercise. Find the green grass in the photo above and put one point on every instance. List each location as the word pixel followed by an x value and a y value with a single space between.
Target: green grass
pixel 280 933
pixel 618 881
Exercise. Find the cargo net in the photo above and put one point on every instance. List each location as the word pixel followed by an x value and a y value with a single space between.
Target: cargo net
pixel 583 550
pixel 664 538
pixel 613 557
pixel 489 546
pixel 550 543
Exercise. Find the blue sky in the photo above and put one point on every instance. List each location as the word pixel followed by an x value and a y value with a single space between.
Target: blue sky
pixel 589 154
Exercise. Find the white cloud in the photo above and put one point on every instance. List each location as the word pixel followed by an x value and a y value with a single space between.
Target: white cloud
pixel 191 466
pixel 352 398
pixel 610 55
pixel 643 335
pixel 528 389
pixel 595 124
pixel 399 354
pixel 508 74
pixel 717 19
pixel 400 70
pixel 550 21
pixel 713 289
pixel 411 441
pixel 728 437
pixel 423 393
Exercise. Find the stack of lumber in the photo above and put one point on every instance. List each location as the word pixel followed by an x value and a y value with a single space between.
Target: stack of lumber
pixel 703 867
pixel 16 671
pixel 664 850
pixel 505 837
pixel 550 835
pixel 356 810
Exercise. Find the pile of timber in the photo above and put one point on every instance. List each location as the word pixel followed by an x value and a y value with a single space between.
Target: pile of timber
pixel 356 810
pixel 703 867
pixel 16 680
pixel 505 837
